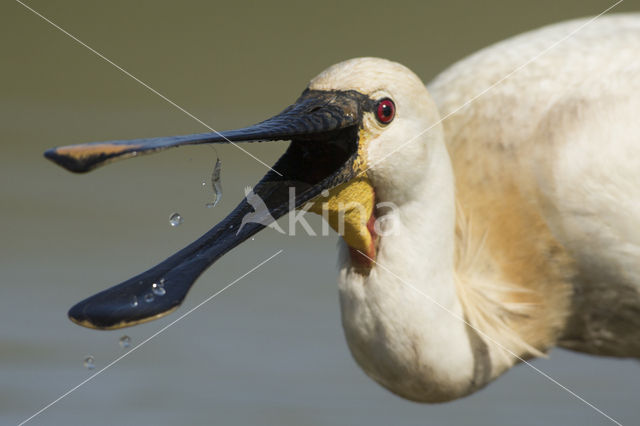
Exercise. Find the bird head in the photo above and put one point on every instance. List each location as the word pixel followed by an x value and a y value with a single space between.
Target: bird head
pixel 352 134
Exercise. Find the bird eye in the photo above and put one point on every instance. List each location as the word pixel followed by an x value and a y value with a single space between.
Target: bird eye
pixel 385 111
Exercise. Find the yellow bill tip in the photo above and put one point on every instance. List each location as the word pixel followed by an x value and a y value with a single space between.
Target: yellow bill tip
pixel 85 157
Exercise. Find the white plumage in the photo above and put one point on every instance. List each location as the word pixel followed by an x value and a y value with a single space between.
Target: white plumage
pixel 520 212
pixel 515 181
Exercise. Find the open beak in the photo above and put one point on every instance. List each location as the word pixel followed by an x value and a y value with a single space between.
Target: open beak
pixel 323 129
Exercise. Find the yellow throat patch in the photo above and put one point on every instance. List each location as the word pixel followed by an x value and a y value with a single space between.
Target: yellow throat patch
pixel 349 206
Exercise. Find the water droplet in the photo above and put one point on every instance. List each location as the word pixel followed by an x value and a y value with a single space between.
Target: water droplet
pixel 158 288
pixel 124 342
pixel 133 301
pixel 325 193
pixel 216 184
pixel 204 183
pixel 253 238
pixel 89 363
pixel 148 297
pixel 175 219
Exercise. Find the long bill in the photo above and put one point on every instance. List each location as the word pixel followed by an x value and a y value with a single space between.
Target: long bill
pixel 323 129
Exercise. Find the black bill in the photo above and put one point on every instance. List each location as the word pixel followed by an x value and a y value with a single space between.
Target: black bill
pixel 323 129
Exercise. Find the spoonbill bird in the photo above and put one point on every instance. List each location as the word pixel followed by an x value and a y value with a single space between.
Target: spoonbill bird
pixel 515 177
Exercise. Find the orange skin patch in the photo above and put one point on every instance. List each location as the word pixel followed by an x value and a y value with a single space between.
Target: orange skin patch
pixel 366 260
pixel 349 209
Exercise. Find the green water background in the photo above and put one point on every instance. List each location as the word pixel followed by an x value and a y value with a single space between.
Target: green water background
pixel 269 351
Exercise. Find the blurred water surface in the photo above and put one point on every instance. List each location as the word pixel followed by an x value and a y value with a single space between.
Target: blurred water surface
pixel 269 351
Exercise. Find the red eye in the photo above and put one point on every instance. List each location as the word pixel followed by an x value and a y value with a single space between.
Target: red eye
pixel 385 111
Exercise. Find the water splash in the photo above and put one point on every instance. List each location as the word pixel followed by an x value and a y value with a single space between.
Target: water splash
pixel 89 363
pixel 158 288
pixel 124 342
pixel 175 219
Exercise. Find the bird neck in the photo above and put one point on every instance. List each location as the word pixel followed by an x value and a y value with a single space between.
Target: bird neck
pixel 403 321
pixel 421 220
